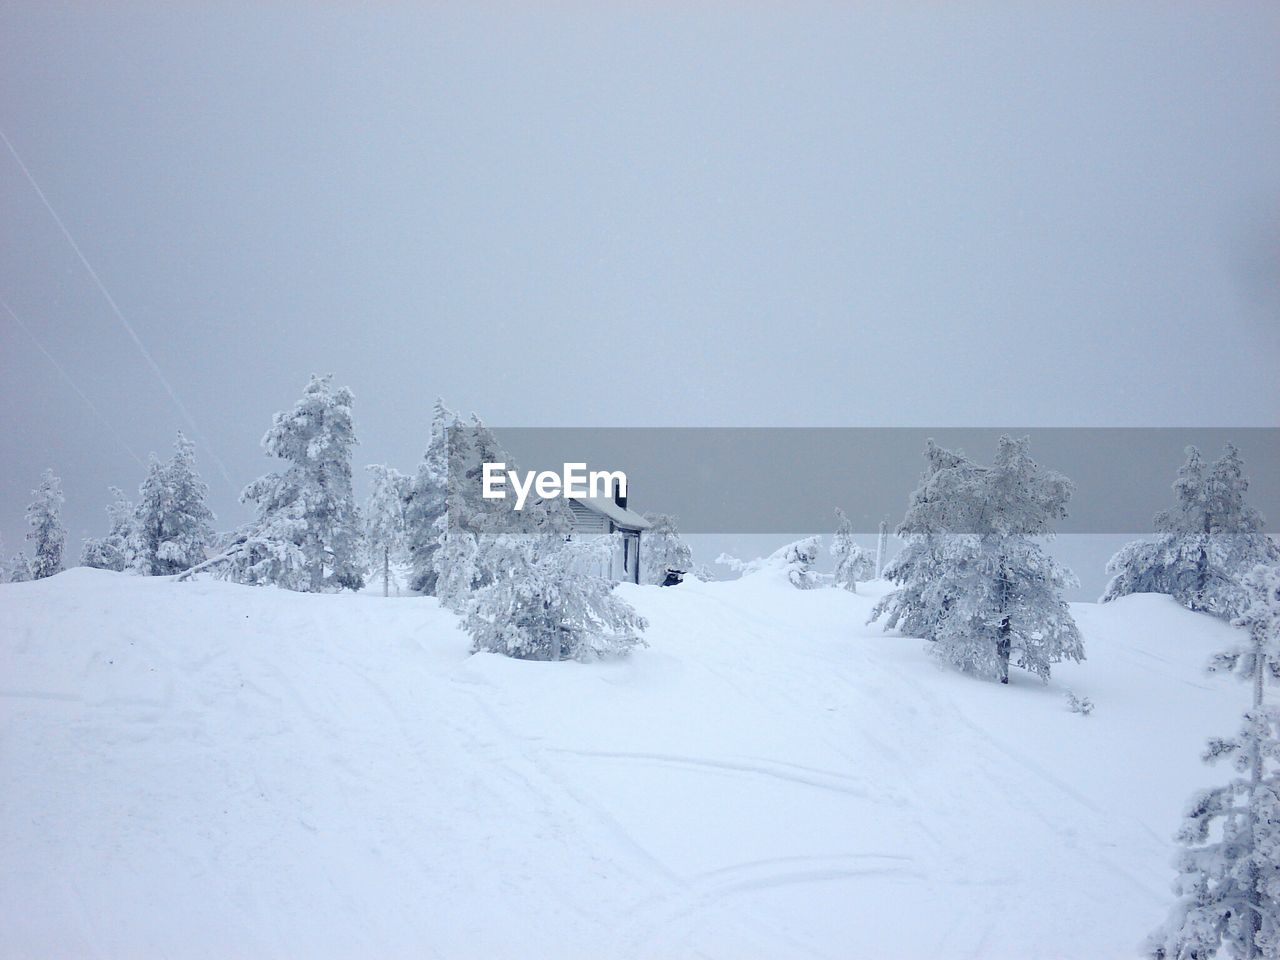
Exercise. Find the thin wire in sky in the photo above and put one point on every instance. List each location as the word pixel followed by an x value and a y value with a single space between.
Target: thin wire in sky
pixel 133 334
pixel 71 383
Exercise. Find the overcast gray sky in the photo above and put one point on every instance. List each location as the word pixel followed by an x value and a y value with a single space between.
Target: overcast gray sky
pixel 751 214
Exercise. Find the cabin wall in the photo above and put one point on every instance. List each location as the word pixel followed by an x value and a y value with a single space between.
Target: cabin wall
pixel 623 564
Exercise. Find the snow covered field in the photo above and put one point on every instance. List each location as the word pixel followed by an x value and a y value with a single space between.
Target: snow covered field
pixel 213 770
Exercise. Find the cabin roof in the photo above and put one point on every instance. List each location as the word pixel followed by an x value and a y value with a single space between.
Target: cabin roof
pixel 621 516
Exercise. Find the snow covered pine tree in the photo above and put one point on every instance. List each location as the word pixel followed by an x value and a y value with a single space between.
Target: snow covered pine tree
pixel 172 526
pixel 667 558
pixel 971 578
pixel 1229 875
pixel 306 535
pixel 918 603
pixel 852 562
pixel 47 534
pixel 425 501
pixel 1204 544
pixel 112 551
pixel 384 526
pixel 455 555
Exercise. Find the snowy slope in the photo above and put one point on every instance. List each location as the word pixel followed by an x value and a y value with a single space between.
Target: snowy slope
pixel 210 770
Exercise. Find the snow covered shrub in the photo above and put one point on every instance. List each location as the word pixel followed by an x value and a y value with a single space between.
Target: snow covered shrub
pixel 795 561
pixel 971 578
pixel 663 551
pixel 171 525
pixel 1080 705
pixel 702 573
pixel 307 532
pixel 798 559
pixel 540 606
pixel 112 552
pixel 47 533
pixel 1229 874
pixel 1204 544
pixel 852 562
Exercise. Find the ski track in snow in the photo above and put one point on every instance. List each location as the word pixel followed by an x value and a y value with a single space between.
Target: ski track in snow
pixel 206 770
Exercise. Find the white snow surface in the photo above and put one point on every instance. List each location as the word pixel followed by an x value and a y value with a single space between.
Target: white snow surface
pixel 214 770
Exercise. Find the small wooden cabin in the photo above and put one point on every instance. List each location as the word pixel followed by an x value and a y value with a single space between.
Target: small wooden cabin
pixel 600 516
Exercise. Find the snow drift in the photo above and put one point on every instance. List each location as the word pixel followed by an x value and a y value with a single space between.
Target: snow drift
pixel 213 770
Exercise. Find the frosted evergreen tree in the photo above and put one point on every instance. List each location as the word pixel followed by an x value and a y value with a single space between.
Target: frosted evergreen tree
pixel 20 568
pixel 1203 545
pixel 425 501
pixel 47 534
pixel 384 519
pixel 852 562
pixel 306 535
pixel 1229 874
pixel 112 552
pixel 455 557
pixel 663 552
pixel 920 600
pixel 172 525
pixel 972 578
pixel 540 605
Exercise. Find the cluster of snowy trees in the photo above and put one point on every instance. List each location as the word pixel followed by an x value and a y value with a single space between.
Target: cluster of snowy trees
pixel 165 532
pixel 525 590
pixel 526 594
pixel 972 577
